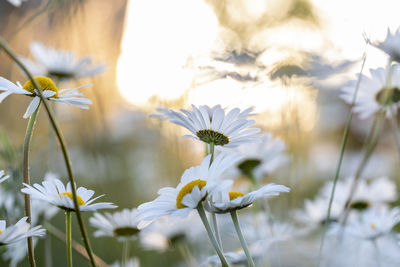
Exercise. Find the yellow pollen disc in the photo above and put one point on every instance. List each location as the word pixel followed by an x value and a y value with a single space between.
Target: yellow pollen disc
pixel 44 82
pixel 188 189
pixel 373 226
pixel 1 232
pixel 69 194
pixel 233 195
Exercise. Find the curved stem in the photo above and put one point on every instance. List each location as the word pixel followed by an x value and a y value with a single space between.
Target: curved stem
pixel 61 140
pixel 339 164
pixel 27 180
pixel 68 235
pixel 241 238
pixel 210 233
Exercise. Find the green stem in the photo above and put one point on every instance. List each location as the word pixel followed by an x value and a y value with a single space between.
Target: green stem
pixel 241 238
pixel 125 253
pixel 210 233
pixel 396 133
pixel 212 152
pixel 60 138
pixel 339 165
pixel 27 180
pixel 68 235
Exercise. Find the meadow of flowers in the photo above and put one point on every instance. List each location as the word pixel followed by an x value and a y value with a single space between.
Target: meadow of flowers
pixel 177 183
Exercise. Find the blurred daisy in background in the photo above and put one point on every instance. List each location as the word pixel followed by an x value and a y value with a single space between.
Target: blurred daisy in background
pixel 55 193
pixel 18 231
pixel 50 91
pixel 121 224
pixel 391 45
pixel 373 94
pixel 60 65
pixel 213 125
pixel 16 3
pixel 132 262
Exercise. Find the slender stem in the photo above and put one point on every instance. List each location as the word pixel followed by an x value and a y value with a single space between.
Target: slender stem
pixel 60 138
pixel 396 132
pixel 185 252
pixel 241 238
pixel 125 253
pixel 339 164
pixel 210 233
pixel 48 260
pixel 27 180
pixel 51 229
pixel 68 236
pixel 377 128
pixel 212 152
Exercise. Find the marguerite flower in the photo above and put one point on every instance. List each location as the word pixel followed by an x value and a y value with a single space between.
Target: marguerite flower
pixel 391 45
pixel 212 125
pixel 18 231
pixel 372 223
pixel 374 94
pixel 60 64
pixel 261 158
pixel 3 177
pixel 122 224
pixel 55 193
pixel 50 91
pixel 196 184
pixel 237 200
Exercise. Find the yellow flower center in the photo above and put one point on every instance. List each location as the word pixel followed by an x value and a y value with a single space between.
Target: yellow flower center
pixel 45 84
pixel 373 226
pixel 69 194
pixel 188 189
pixel 233 195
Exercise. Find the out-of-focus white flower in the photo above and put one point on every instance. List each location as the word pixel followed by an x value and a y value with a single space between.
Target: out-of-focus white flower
pixel 60 64
pixel 236 200
pixel 132 262
pixel 16 3
pixel 55 193
pixel 122 224
pixel 212 125
pixel 196 184
pixel 374 94
pixel 163 232
pixel 371 224
pixel 391 45
pixel 3 177
pixel 261 158
pixel 18 231
pixel 50 91
pixel 16 252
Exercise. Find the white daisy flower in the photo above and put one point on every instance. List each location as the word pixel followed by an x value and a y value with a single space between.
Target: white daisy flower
pixel 3 177
pixel 50 91
pixel 373 94
pixel 372 223
pixel 55 193
pixel 18 231
pixel 261 158
pixel 391 45
pixel 60 64
pixel 196 184
pixel 16 3
pixel 236 200
pixel 122 224
pixel 212 125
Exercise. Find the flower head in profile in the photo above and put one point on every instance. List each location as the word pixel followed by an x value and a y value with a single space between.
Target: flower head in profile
pixel 196 184
pixel 18 231
pixel 214 125
pixel 121 224
pixel 3 177
pixel 391 45
pixel 374 94
pixel 60 64
pixel 55 193
pixel 50 91
pixel 230 201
